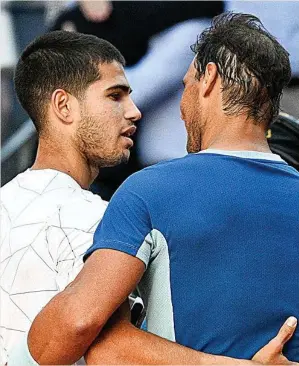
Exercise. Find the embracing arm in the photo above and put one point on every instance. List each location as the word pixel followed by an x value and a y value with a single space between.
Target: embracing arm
pixel 67 326
pixel 121 343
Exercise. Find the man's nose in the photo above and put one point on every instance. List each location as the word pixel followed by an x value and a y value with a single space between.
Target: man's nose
pixel 133 113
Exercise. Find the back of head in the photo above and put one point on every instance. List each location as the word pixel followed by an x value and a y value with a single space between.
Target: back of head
pixel 59 59
pixel 253 66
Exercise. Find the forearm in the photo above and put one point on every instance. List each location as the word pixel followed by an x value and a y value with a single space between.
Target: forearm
pixel 121 343
pixel 55 337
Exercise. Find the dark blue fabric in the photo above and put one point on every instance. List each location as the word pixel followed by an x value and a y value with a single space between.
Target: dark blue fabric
pixel 232 228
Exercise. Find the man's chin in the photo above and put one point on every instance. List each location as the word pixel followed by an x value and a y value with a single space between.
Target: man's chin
pixel 126 156
pixel 110 160
pixel 122 159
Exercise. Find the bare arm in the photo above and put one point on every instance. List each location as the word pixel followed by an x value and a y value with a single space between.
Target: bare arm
pixel 120 343
pixel 67 326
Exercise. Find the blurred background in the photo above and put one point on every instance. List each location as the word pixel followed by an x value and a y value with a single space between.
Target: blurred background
pixel 155 38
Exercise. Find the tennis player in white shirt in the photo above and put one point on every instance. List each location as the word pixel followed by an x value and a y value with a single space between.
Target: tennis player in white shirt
pixel 74 88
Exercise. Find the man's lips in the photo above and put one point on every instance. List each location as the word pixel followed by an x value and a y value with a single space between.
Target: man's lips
pixel 129 131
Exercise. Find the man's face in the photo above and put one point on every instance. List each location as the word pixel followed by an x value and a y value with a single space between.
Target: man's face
pixel 107 118
pixel 191 110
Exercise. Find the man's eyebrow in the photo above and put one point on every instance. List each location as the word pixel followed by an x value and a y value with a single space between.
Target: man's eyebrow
pixel 123 87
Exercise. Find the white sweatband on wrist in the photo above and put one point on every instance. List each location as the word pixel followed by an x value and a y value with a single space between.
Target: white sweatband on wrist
pixel 20 354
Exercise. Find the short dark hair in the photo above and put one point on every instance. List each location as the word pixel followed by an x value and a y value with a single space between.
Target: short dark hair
pixel 253 66
pixel 59 59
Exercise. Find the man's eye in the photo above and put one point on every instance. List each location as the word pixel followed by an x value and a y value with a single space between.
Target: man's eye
pixel 115 96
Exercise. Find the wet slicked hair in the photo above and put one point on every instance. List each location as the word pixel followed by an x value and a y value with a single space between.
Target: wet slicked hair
pixel 253 66
pixel 59 59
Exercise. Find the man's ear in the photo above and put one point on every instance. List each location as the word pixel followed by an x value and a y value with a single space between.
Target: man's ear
pixel 61 106
pixel 210 77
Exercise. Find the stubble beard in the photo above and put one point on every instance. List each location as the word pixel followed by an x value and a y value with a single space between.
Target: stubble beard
pixel 106 161
pixel 92 145
pixel 195 131
pixel 193 144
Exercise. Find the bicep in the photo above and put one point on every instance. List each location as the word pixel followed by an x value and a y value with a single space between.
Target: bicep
pixel 104 283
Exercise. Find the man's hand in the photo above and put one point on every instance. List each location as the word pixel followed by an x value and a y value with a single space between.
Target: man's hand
pixel 271 353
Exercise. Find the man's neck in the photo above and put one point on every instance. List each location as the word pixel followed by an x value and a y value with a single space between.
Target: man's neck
pixel 66 160
pixel 235 134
